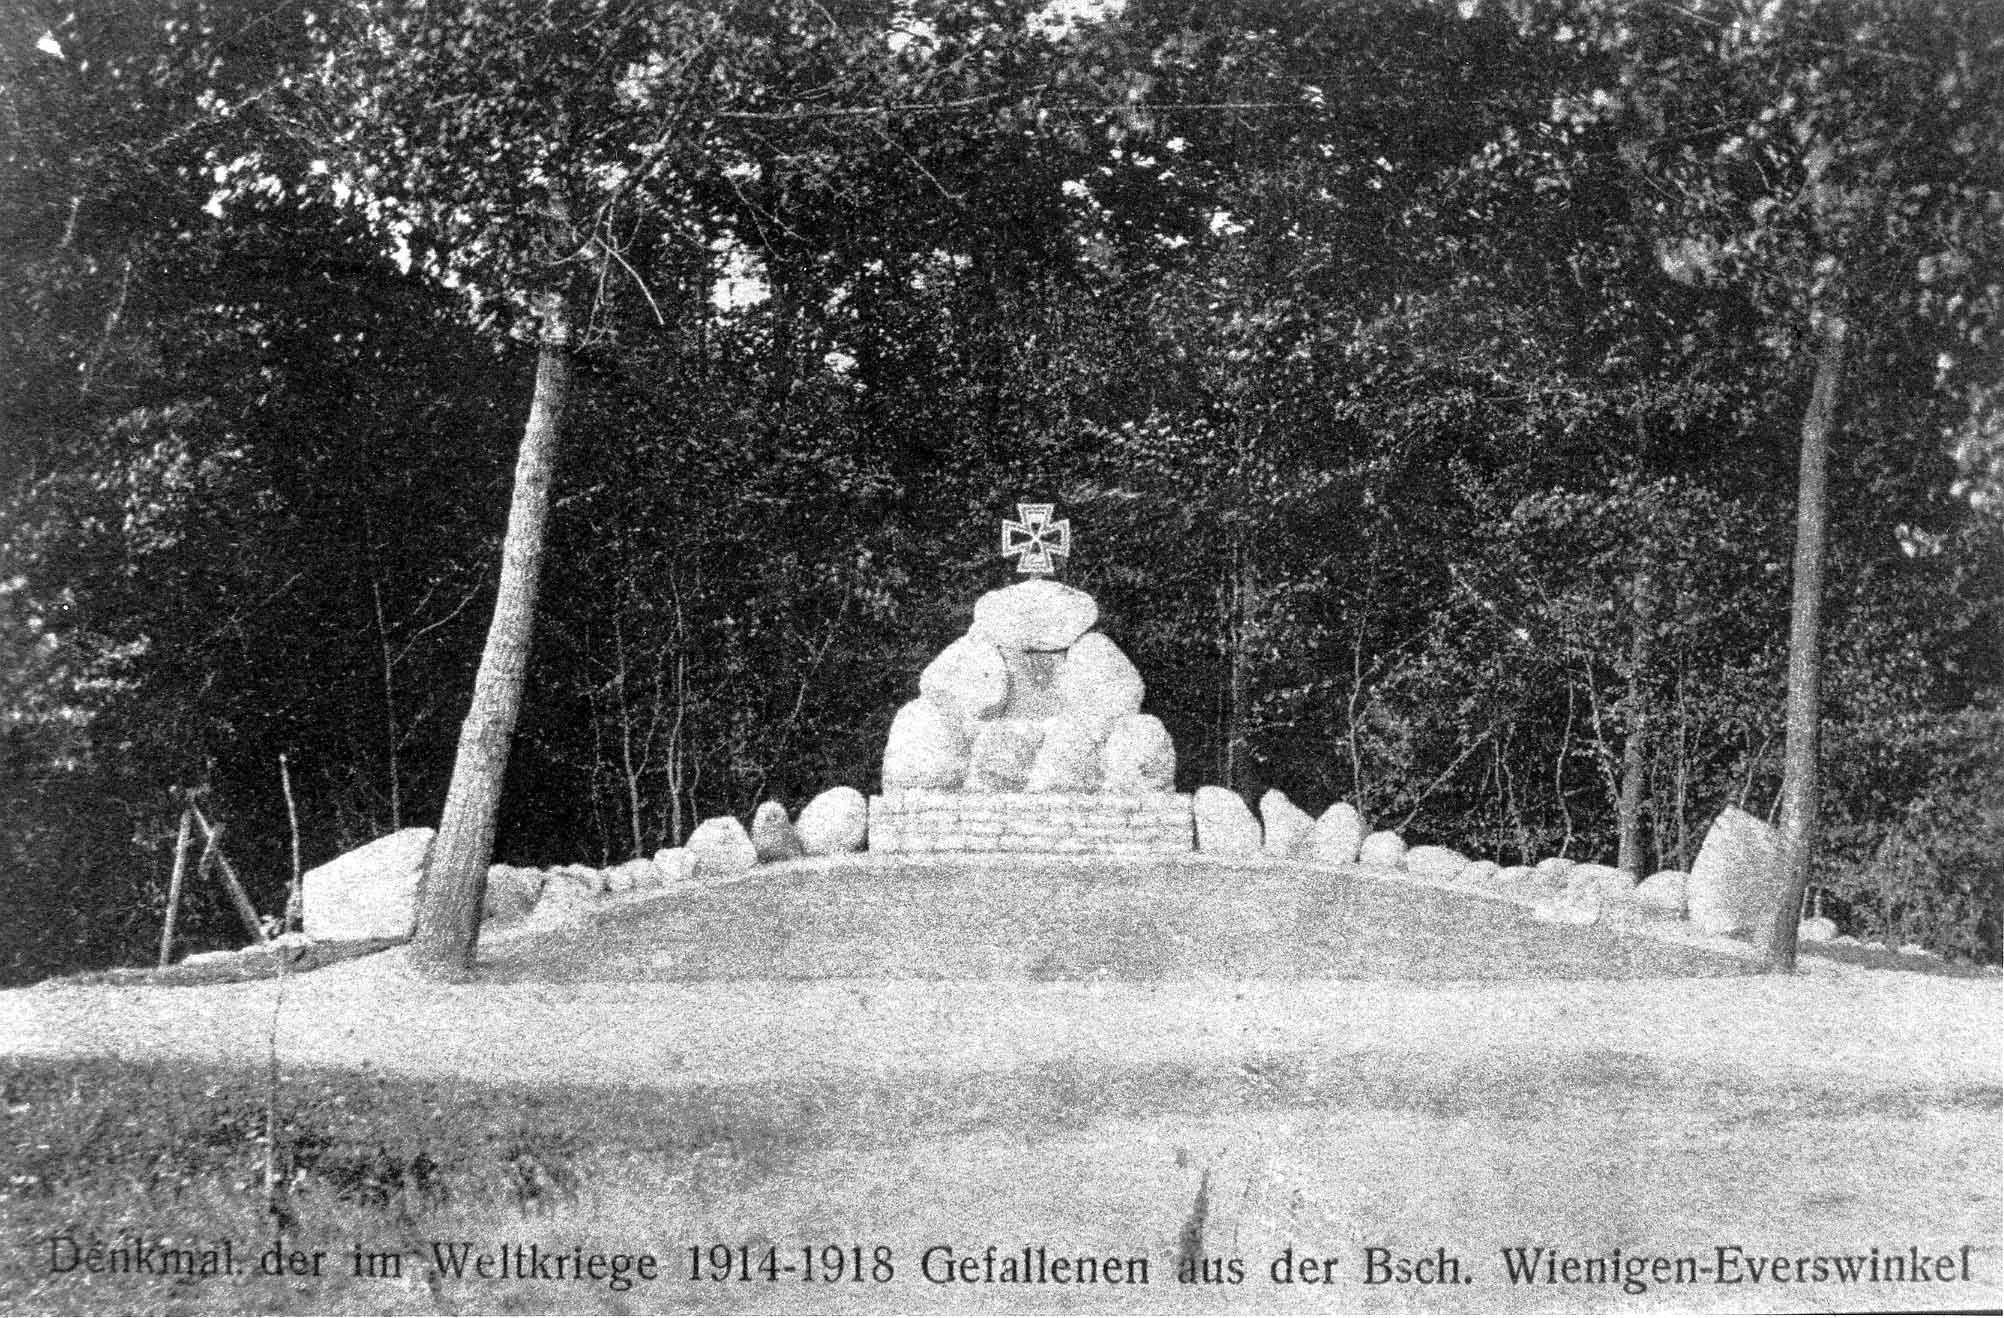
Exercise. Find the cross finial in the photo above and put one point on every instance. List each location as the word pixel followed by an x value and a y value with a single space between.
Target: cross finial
pixel 1036 540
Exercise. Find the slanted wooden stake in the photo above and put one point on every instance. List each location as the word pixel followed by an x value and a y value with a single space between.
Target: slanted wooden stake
pixel 174 891
pixel 213 836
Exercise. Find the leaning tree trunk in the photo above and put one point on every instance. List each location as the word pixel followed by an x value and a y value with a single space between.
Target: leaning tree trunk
pixel 1798 775
pixel 455 878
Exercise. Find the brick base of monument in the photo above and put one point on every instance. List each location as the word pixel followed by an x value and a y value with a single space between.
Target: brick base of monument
pixel 1087 824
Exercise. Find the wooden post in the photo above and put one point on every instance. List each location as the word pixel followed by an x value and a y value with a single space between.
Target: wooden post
pixel 248 913
pixel 174 891
pixel 292 814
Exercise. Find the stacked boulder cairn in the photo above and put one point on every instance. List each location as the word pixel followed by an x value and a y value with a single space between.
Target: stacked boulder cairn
pixel 1027 735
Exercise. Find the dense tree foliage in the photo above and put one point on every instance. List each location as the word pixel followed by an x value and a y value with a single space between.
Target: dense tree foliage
pixel 1425 384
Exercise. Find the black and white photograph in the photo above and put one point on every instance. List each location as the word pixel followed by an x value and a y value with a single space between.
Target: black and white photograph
pixel 1004 656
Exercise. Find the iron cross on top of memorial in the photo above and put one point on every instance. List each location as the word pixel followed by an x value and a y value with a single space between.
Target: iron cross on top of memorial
pixel 1036 541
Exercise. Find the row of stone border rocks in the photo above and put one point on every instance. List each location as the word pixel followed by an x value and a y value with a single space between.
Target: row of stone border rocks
pixel 371 892
pixel 719 848
pixel 1735 878
pixel 841 820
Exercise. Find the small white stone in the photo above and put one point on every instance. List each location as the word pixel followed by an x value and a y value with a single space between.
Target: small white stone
pixel 1384 850
pixel 722 848
pixel 1289 830
pixel 1613 885
pixel 637 873
pixel 1662 891
pixel 675 863
pixel 1477 873
pixel 836 821
pixel 1434 862
pixel 772 834
pixel 1225 826
pixel 1338 834
pixel 512 891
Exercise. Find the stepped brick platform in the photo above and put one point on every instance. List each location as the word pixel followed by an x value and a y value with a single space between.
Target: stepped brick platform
pixel 1090 824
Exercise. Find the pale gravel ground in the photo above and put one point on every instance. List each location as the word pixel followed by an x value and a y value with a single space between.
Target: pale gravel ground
pixel 1832 1022
pixel 1676 1173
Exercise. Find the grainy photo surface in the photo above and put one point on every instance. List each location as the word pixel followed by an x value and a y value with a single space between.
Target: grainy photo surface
pixel 881 656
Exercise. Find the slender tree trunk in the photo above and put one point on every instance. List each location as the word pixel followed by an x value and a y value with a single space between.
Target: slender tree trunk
pixel 1559 767
pixel 1238 711
pixel 392 737
pixel 1683 779
pixel 1635 741
pixel 679 787
pixel 1798 777
pixel 629 770
pixel 1357 793
pixel 455 879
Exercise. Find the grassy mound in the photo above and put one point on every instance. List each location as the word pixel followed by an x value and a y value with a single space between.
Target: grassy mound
pixel 1043 918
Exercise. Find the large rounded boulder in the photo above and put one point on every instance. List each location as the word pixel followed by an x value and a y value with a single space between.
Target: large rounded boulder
pixel 1138 756
pixel 1068 758
pixel 926 747
pixel 1098 682
pixel 1005 750
pixel 1033 615
pixel 838 820
pixel 969 677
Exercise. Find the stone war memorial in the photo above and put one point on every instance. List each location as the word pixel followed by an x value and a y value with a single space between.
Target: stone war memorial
pixel 1038 1020
pixel 974 657
pixel 1028 739
pixel 1028 734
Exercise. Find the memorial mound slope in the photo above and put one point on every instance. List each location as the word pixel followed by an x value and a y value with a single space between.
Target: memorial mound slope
pixel 1054 918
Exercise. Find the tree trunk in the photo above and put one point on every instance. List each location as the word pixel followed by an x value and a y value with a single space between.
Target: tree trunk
pixel 630 772
pixel 678 784
pixel 392 738
pixel 455 879
pixel 1683 779
pixel 1798 775
pixel 1239 628
pixel 1635 741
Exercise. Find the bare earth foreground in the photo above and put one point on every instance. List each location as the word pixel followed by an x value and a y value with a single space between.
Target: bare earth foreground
pixel 1232 1069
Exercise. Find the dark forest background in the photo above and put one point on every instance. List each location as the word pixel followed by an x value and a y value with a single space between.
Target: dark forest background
pixel 1423 384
